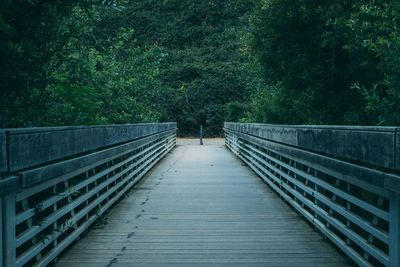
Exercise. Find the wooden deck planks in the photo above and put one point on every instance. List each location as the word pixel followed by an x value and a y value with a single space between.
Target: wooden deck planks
pixel 202 207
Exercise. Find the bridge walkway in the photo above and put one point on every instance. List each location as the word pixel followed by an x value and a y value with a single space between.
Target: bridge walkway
pixel 200 206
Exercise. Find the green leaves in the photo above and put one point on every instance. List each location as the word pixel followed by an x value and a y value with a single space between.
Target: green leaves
pixel 61 70
pixel 74 104
pixel 316 51
pixel 201 66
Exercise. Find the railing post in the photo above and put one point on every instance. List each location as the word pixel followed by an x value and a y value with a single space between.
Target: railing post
pixel 1 232
pixel 394 230
pixel 201 134
pixel 8 214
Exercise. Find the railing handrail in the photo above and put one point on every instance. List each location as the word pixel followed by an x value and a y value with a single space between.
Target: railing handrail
pixel 373 146
pixel 23 148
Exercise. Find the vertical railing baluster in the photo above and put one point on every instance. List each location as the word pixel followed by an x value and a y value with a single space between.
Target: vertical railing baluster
pixel 307 184
pixel 330 212
pixel 375 221
pixel 95 185
pixel 109 174
pixel 70 191
pixel 1 232
pixel 348 207
pixel 55 225
pixel 86 191
pixel 294 164
pixel 394 229
pixel 9 234
pixel 29 224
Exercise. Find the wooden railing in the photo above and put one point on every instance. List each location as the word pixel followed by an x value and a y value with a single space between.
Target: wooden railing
pixel 343 180
pixel 55 182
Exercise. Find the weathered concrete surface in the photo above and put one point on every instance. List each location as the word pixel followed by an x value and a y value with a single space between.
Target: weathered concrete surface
pixel 202 207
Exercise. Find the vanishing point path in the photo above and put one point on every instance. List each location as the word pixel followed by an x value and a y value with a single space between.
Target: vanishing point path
pixel 200 206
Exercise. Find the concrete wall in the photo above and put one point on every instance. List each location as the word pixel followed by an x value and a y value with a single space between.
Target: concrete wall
pixel 377 146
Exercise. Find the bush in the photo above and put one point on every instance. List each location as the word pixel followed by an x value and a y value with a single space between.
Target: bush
pixel 236 111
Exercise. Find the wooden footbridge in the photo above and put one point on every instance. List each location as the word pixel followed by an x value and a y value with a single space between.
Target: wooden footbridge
pixel 131 195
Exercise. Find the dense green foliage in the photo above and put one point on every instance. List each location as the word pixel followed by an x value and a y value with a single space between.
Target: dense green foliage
pixel 72 63
pixel 202 61
pixel 274 61
pixel 58 71
pixel 327 62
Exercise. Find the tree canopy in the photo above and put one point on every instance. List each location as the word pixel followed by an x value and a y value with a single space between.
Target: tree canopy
pixel 327 62
pixel 274 61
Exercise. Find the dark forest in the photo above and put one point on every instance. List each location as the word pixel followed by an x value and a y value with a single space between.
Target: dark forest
pixel 267 61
